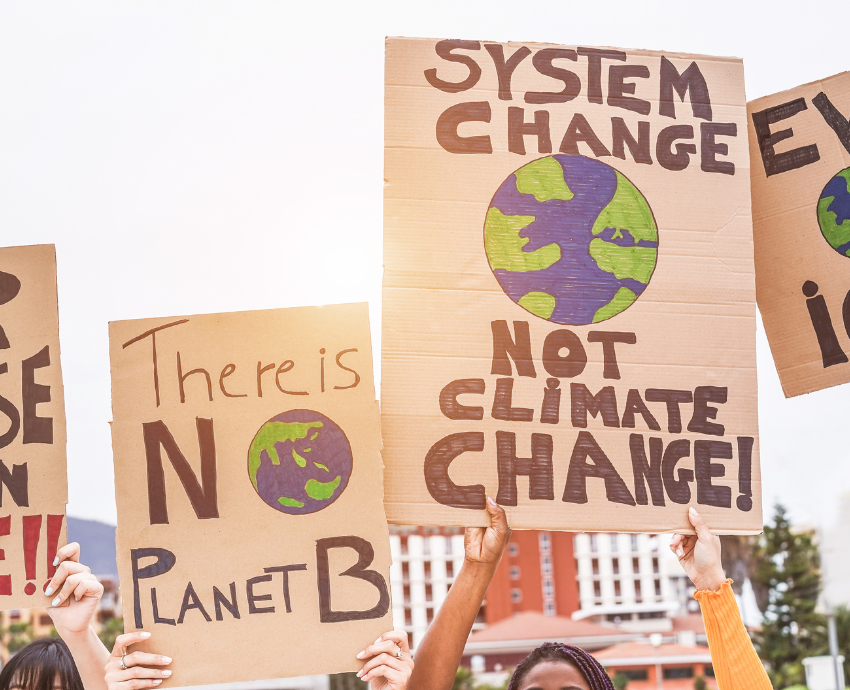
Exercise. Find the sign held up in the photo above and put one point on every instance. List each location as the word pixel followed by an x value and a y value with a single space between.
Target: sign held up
pixel 33 471
pixel 800 147
pixel 568 311
pixel 249 491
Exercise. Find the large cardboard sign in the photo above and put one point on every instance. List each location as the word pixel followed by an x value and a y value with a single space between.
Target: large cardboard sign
pixel 800 150
pixel 252 541
pixel 33 473
pixel 569 304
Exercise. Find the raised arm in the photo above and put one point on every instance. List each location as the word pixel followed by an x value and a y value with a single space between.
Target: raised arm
pixel 74 584
pixel 439 653
pixel 736 664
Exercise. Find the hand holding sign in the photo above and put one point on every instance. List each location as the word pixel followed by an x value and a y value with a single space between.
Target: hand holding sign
pixel 72 583
pixel 699 554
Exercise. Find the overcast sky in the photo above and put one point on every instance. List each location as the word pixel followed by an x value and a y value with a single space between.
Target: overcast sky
pixel 205 156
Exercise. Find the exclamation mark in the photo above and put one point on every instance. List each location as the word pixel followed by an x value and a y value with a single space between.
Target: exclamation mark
pixel 745 473
pixel 54 529
pixel 32 533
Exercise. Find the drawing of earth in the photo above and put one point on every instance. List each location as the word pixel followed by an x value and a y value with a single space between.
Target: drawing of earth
pixel 571 240
pixel 834 212
pixel 299 462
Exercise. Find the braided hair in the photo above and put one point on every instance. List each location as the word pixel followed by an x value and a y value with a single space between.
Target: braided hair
pixel 589 667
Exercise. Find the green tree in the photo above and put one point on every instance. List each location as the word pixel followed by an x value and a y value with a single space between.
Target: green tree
pixel 620 681
pixel 788 567
pixel 464 680
pixel 699 683
pixel 18 636
pixel 111 628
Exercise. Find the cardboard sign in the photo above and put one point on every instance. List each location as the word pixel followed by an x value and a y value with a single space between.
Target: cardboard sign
pixel 33 472
pixel 569 306
pixel 800 151
pixel 252 541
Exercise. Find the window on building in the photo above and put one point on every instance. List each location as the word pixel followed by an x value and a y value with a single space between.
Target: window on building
pixel 658 588
pixel 548 588
pixel 614 618
pixel 594 563
pixel 638 594
pixel 516 595
pixel 675 672
pixel 648 615
pixel 403 541
pixel 617 591
pixel 545 542
pixel 514 572
pixel 429 594
pixel 593 545
pixel 597 589
pixel 44 619
pixel 708 671
pixel 615 564
pixel 450 569
pixel 636 565
pixel 513 549
pixel 549 608
pixel 655 565
pixel 634 673
pixel 448 541
pixel 546 565
pixel 614 543
pixel 634 540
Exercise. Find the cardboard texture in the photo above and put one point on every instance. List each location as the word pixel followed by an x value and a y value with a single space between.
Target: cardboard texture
pixel 568 288
pixel 33 471
pixel 800 152
pixel 252 541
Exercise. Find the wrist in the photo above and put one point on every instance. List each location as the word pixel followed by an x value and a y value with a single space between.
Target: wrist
pixel 710 582
pixel 70 635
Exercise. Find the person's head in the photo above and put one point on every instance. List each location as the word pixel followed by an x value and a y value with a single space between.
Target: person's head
pixel 45 664
pixel 554 666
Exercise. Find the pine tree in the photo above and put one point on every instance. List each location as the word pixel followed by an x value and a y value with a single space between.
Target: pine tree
pixel 788 567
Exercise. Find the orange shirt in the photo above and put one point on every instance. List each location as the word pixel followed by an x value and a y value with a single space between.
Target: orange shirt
pixel 736 664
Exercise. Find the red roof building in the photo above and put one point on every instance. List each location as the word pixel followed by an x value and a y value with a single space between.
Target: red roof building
pixel 642 663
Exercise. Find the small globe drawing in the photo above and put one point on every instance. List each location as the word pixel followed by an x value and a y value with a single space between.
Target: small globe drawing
pixel 570 239
pixel 299 462
pixel 834 212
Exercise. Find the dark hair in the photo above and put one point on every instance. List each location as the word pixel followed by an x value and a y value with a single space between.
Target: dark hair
pixel 36 666
pixel 589 667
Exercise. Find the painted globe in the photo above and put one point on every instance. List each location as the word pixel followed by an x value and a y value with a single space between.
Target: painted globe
pixel 571 240
pixel 834 212
pixel 299 462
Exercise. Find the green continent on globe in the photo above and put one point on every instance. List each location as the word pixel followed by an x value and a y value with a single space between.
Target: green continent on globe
pixel 538 303
pixel 320 491
pixel 272 433
pixel 628 210
pixel 636 263
pixel 504 245
pixel 620 302
pixel 837 235
pixel 544 178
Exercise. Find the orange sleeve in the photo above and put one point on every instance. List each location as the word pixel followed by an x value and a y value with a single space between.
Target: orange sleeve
pixel 736 664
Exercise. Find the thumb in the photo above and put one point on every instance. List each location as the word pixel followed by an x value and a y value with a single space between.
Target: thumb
pixel 701 528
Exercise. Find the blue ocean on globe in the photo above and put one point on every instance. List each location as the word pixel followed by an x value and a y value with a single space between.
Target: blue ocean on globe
pixel 570 239
pixel 299 462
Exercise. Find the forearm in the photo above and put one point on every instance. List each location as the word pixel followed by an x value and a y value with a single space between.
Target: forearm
pixel 736 664
pixel 438 656
pixel 90 656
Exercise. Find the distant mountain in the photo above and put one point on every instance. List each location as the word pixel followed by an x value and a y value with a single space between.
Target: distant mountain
pixel 97 543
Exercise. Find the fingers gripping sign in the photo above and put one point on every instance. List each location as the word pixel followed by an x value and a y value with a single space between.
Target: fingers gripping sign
pixel 699 554
pixel 72 583
pixel 131 670
pixel 389 662
pixel 486 544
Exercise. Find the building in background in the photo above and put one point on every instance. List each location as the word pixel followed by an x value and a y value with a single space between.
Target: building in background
pixel 632 581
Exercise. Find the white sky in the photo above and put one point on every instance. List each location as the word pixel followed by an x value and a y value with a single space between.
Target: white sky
pixel 205 156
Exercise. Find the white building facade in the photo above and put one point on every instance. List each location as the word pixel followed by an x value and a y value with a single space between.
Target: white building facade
pixel 632 580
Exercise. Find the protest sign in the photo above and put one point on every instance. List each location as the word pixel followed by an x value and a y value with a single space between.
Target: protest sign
pixel 33 473
pixel 569 307
pixel 800 151
pixel 252 541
